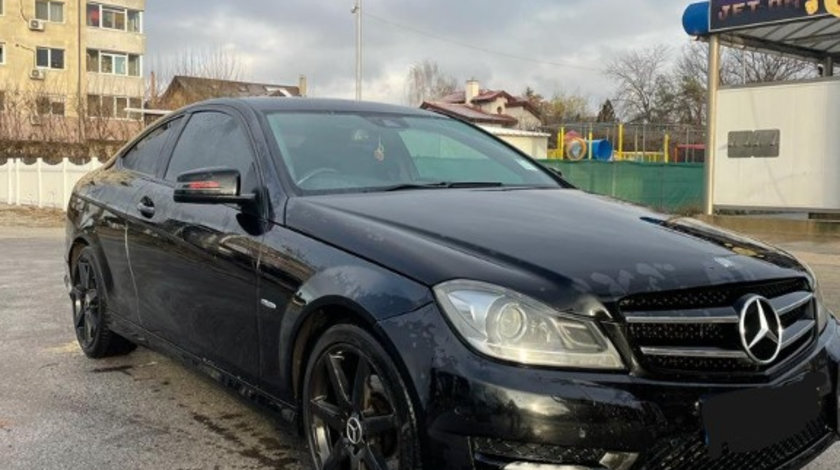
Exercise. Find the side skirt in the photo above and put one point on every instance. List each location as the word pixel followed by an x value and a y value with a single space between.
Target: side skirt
pixel 251 393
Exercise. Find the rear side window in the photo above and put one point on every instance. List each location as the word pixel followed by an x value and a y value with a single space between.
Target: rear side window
pixel 212 139
pixel 145 156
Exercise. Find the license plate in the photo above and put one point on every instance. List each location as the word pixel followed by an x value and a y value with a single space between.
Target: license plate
pixel 753 419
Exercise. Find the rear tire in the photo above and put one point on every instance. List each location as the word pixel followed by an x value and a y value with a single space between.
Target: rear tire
pixel 357 412
pixel 91 320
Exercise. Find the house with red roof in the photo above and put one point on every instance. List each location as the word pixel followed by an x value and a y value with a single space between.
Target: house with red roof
pixel 487 107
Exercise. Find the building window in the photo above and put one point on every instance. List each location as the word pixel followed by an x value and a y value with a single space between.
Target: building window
pixel 114 63
pixel 113 107
pixel 109 17
pixel 49 105
pixel 49 11
pixel 48 58
pixel 2 51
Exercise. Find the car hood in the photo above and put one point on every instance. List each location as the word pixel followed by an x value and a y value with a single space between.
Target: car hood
pixel 535 240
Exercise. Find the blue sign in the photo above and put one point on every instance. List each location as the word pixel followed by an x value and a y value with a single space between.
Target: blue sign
pixel 730 14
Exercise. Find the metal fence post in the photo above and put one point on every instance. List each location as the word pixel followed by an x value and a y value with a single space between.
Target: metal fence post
pixel 621 141
pixel 561 142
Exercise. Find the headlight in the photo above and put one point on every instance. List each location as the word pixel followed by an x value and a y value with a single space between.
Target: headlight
pixel 510 326
pixel 822 312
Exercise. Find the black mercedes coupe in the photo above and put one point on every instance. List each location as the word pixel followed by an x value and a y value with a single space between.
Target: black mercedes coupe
pixel 415 293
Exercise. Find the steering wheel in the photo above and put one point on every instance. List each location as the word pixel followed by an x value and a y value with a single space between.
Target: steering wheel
pixel 314 173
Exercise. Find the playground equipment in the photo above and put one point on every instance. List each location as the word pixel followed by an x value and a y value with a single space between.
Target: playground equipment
pixel 649 143
pixel 572 146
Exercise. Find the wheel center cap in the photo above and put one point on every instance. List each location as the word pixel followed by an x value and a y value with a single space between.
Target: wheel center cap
pixel 354 430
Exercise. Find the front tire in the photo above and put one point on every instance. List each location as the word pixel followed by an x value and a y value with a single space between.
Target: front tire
pixel 90 310
pixel 357 413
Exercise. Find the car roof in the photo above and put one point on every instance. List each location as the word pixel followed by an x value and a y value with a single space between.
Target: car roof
pixel 268 104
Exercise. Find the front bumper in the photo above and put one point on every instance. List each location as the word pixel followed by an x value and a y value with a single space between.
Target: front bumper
pixel 481 414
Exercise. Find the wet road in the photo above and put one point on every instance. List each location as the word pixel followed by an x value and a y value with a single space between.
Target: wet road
pixel 61 410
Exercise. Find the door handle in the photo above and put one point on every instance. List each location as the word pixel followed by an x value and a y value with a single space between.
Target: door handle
pixel 146 207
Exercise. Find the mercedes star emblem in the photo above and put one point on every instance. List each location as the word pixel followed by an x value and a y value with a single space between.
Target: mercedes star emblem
pixel 760 330
pixel 354 430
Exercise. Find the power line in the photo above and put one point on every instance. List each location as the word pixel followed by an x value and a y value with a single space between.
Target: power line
pixel 477 48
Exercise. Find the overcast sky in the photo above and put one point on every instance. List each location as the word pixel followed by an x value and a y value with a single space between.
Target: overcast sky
pixel 277 40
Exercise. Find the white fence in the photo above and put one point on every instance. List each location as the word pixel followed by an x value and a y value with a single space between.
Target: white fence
pixel 41 184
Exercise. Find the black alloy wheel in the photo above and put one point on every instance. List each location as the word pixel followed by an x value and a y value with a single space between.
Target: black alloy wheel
pixel 90 320
pixel 357 413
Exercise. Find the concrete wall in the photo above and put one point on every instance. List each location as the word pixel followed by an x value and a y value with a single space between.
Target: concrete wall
pixel 21 44
pixel 527 120
pixel 40 184
pixel 74 37
pixel 536 147
pixel 534 144
pixel 805 175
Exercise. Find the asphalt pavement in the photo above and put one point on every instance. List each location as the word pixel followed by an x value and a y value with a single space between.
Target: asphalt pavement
pixel 59 409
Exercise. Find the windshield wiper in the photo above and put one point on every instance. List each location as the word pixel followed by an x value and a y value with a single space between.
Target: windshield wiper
pixel 442 185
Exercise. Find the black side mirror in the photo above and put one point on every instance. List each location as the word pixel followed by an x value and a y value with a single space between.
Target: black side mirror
pixel 211 186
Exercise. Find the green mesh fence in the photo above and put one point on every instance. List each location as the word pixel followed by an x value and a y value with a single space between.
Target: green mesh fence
pixel 674 187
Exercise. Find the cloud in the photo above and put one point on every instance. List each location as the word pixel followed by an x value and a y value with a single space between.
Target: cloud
pixel 490 40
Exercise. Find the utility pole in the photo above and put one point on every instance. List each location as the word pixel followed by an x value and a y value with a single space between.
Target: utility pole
pixel 357 10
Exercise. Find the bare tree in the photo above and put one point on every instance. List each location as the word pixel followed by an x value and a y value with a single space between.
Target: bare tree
pixel 40 120
pixel 748 66
pixel 216 63
pixel 642 78
pixel 565 107
pixel 426 81
pixel 690 76
pixel 607 112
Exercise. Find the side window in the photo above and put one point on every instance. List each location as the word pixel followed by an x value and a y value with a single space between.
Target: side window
pixel 145 155
pixel 213 139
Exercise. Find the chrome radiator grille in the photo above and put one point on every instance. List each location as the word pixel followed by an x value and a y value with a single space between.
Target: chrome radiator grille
pixel 696 332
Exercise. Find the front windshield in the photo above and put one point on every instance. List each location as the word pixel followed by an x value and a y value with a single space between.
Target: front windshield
pixel 351 152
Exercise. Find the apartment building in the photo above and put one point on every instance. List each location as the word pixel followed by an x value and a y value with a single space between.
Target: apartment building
pixel 70 62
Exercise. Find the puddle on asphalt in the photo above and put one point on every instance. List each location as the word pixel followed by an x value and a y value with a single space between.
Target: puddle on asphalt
pixel 270 452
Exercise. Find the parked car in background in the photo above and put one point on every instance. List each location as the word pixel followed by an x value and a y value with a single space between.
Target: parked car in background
pixel 418 294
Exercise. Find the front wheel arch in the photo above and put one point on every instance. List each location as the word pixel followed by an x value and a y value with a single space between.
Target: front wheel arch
pixel 324 317
pixel 318 320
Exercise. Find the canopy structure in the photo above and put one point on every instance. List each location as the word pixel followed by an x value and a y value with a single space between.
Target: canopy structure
pixel 804 29
pixel 801 28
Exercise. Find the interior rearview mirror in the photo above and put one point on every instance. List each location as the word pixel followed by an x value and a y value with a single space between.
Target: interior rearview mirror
pixel 211 186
